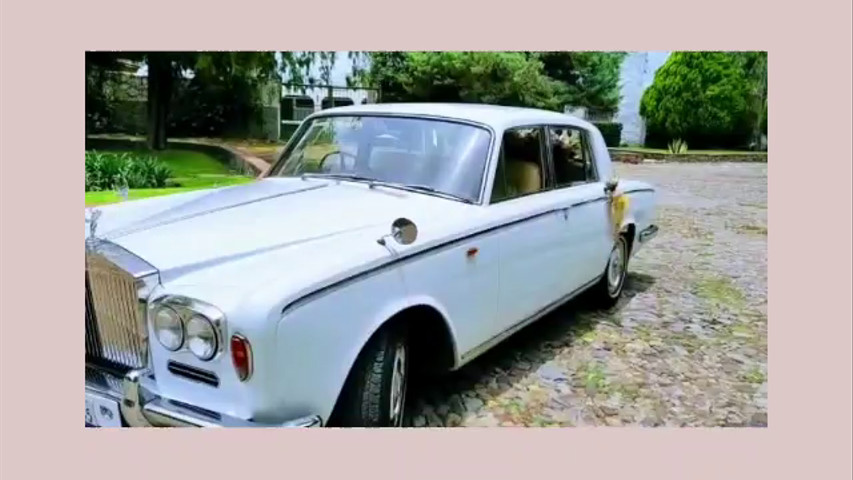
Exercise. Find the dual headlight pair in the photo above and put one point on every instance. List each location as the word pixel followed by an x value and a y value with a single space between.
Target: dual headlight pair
pixel 177 325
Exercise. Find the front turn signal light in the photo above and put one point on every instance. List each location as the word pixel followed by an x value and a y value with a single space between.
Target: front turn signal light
pixel 241 355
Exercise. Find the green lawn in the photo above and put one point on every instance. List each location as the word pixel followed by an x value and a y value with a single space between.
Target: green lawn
pixel 689 152
pixel 191 170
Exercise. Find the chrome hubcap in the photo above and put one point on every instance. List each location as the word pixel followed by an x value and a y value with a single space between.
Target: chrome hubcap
pixel 398 385
pixel 615 268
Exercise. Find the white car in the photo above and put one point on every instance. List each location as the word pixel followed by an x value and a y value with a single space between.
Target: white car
pixel 386 238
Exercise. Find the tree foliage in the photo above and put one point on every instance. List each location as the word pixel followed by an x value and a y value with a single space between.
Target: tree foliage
pixel 755 68
pixel 504 78
pixel 222 88
pixel 536 79
pixel 709 99
pixel 591 78
pixel 507 78
pixel 297 67
pixel 223 97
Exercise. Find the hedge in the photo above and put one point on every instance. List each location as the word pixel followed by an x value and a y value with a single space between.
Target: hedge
pixel 611 131
pixel 288 129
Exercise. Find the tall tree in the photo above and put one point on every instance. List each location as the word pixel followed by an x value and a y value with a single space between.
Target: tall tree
pixel 384 71
pixel 591 78
pixel 506 78
pixel 755 69
pixel 164 68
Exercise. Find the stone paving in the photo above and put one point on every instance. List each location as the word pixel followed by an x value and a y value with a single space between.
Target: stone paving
pixel 687 346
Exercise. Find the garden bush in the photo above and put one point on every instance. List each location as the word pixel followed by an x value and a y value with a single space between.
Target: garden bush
pixel 700 97
pixel 109 171
pixel 611 131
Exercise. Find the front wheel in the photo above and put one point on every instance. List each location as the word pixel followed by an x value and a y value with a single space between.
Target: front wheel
pixel 608 290
pixel 375 393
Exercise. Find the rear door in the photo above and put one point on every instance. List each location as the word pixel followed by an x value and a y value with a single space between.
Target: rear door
pixel 587 239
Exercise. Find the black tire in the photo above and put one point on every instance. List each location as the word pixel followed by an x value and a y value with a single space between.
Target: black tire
pixel 605 294
pixel 366 398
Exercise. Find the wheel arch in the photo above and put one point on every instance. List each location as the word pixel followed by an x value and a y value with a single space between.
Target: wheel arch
pixel 429 328
pixel 629 229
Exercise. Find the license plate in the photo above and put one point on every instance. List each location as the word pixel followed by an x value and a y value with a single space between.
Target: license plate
pixel 102 411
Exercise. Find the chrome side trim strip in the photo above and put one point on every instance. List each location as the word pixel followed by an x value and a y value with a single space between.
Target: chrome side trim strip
pixel 591 200
pixel 414 255
pixel 638 190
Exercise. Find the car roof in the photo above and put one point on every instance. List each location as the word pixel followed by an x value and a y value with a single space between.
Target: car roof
pixel 498 117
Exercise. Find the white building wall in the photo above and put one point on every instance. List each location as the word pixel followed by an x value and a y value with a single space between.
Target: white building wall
pixel 637 74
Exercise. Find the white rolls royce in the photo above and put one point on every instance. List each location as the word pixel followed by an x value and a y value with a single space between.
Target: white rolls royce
pixel 386 238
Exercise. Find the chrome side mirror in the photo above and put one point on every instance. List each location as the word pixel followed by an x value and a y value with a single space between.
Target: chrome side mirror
pixel 403 231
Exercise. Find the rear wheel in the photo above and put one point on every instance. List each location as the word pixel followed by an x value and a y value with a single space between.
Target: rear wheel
pixel 608 290
pixel 375 393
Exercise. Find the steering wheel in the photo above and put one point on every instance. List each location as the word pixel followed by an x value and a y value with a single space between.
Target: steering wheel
pixel 336 152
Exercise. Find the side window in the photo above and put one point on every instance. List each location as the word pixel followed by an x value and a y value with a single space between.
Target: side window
pixel 573 164
pixel 521 166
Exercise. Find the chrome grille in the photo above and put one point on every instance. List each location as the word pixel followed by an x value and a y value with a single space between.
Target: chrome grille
pixel 115 318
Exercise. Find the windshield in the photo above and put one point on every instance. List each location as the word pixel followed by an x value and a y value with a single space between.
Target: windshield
pixel 432 156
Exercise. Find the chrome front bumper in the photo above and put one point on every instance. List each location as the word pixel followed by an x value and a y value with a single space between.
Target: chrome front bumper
pixel 648 233
pixel 141 406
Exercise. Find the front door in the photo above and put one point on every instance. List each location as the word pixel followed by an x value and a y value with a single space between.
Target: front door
pixel 532 253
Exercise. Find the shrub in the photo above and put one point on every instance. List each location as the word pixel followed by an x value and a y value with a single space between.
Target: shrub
pixel 701 97
pixel 108 171
pixel 287 130
pixel 611 131
pixel 677 146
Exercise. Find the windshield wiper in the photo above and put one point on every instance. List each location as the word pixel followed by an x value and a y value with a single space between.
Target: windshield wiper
pixel 341 176
pixel 433 191
pixel 402 186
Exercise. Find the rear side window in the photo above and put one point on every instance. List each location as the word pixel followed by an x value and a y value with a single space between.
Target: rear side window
pixel 573 164
pixel 521 166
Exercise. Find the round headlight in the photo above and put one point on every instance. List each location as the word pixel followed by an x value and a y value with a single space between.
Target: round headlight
pixel 201 337
pixel 169 328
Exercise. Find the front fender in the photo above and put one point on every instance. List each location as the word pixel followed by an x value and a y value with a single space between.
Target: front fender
pixel 317 342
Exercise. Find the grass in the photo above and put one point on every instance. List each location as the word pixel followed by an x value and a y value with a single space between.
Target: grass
pixel 191 170
pixel 754 375
pixel 594 378
pixel 689 152
pixel 721 291
pixel 752 229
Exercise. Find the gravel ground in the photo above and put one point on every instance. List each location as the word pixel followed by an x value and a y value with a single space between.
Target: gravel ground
pixel 687 346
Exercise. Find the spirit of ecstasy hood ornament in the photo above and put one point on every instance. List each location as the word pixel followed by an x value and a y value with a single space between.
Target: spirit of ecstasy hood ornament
pixel 92 220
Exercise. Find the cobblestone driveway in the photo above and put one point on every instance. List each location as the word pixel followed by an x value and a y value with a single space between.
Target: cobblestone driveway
pixel 687 346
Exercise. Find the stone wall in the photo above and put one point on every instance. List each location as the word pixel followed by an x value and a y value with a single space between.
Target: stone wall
pixel 639 157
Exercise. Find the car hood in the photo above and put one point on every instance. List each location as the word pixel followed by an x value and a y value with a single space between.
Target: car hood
pixel 285 219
